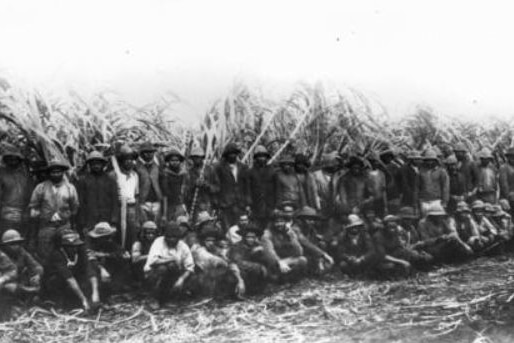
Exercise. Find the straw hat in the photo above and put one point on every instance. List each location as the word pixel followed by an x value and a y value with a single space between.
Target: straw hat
pixel 102 229
pixel 11 237
pixel 354 221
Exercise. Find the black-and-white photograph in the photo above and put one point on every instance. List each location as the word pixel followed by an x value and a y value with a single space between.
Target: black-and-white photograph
pixel 256 171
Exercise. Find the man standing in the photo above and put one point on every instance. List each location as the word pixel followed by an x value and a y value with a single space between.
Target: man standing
pixel 302 165
pixel 230 181
pixel 54 202
pixel 260 184
pixel 393 179
pixel 128 193
pixel 487 179
pixel 287 186
pixel 15 190
pixel 465 168
pixel 434 183
pixel 410 180
pixel 97 194
pixel 352 191
pixel 199 181
pixel 507 178
pixel 173 185
pixel 150 194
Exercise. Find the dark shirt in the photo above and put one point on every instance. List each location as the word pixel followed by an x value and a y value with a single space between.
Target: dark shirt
pixel 98 197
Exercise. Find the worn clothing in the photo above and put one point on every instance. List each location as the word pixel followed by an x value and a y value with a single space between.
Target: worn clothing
pixel 309 189
pixel 26 265
pixel 15 190
pixel 409 186
pixel 149 187
pixel 506 178
pixel 487 184
pixel 49 199
pixel 128 186
pixel 57 265
pixel 434 185
pixel 261 191
pixel 376 186
pixel 288 188
pixel 250 262
pixel 352 191
pixel 8 270
pixel 230 191
pixel 98 200
pixel 181 254
pixel 324 192
pixel 205 192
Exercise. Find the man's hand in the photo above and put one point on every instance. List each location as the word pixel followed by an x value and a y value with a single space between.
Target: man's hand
pixel 284 268
pixel 35 280
pixel 34 213
pixel 178 285
pixel 56 217
pixel 126 255
pixel 240 288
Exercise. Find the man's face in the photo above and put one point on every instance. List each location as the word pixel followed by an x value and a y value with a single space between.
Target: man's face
pixel 510 159
pixel 150 235
pixel 13 249
pixel 171 240
pixel 197 161
pixel 416 162
pixel 12 161
pixel 452 168
pixel 460 155
pixel 484 162
pixel 147 156
pixel 128 163
pixel 96 166
pixel 261 160
pixel 301 167
pixel 437 220
pixel 231 158
pixel 174 162
pixel 356 169
pixel 354 232
pixel 387 158
pixel 287 168
pixel 391 227
pixel 56 175
pixel 370 215
pixel 250 239
pixel 210 243
pixel 430 164
pixel 407 223
pixel 279 224
pixel 479 214
pixel 243 221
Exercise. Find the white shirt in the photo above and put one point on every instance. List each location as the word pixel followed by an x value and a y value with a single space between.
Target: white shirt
pixel 129 186
pixel 181 253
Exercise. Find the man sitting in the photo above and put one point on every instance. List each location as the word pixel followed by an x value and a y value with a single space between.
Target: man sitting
pixel 283 250
pixel 486 229
pixel 249 260
pixel 29 271
pixel 169 264
pixel 439 236
pixel 141 247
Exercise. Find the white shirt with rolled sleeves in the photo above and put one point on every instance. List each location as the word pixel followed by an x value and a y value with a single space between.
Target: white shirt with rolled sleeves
pixel 181 253
pixel 128 186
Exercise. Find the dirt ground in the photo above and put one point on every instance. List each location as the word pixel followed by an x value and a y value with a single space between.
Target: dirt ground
pixel 473 302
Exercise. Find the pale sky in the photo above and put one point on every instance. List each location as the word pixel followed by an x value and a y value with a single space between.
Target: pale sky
pixel 455 56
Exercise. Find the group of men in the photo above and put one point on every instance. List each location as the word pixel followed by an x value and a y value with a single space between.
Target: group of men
pixel 178 226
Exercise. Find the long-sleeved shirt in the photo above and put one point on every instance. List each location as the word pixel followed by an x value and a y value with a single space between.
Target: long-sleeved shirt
pixel 49 198
pixel 467 229
pixel 181 254
pixel 25 263
pixel 173 185
pixel 507 181
pixel 487 179
pixel 98 200
pixel 205 192
pixel 8 270
pixel 279 245
pixel 206 260
pixel 356 247
pixel 247 258
pixel 434 185
pixel 261 190
pixel 15 188
pixel 429 231
pixel 288 188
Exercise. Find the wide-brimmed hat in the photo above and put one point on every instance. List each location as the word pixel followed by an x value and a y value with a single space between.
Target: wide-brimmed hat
pixel 390 218
pixel 436 210
pixel 278 214
pixel 149 225
pixel 184 221
pixel 251 227
pixel 173 152
pixel 485 154
pixel 286 159
pixel 126 152
pixel 260 150
pixel 57 164
pixel 197 152
pixel 102 229
pixel 498 211
pixel 11 237
pixel 462 207
pixel 11 151
pixel 353 160
pixel 71 238
pixel 430 155
pixel 307 213
pixel 451 160
pixel 478 205
pixel 231 148
pixel 203 217
pixel 354 221
pixel 330 160
pixel 460 147
pixel 414 155
pixel 407 212
pixel 147 147
pixel 95 156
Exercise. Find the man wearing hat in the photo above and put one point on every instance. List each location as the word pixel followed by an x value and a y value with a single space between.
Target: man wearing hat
pixel 141 247
pixel 248 262
pixel 393 179
pixel 260 186
pixel 54 202
pixel 487 177
pixel 410 179
pixel 69 273
pixel 439 237
pixel 376 184
pixel 287 186
pixel 324 181
pixel 97 193
pixel 173 184
pixel 466 226
pixel 355 251
pixel 150 194
pixel 284 253
pixel 127 180
pixel 506 176
pixel 352 192
pixel 306 178
pixel 409 223
pixel 231 186
pixel 434 182
pixel 199 181
pixel 16 186
pixel 169 264
pixel 108 256
pixel 29 271
pixel 487 231
pixel 465 167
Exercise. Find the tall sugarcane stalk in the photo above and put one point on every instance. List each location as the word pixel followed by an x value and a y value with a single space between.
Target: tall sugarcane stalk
pixel 259 137
pixel 123 202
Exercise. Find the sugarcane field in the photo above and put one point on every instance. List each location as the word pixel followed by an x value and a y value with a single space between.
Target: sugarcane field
pixel 243 171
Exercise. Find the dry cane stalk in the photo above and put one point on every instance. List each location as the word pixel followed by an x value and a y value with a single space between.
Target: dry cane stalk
pixel 259 137
pixel 123 210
